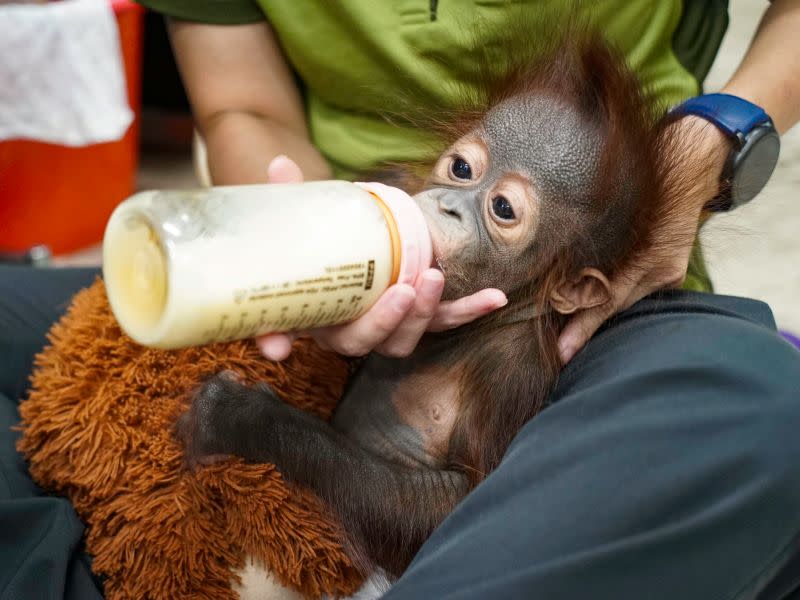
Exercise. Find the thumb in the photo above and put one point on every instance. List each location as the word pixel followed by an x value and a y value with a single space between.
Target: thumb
pixel 580 330
pixel 275 346
pixel 283 169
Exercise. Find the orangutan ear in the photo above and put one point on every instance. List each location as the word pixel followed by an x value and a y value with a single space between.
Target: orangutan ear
pixel 590 288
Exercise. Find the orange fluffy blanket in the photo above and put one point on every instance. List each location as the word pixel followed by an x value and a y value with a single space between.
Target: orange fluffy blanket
pixel 98 430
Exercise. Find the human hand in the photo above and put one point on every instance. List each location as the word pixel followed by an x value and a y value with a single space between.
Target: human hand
pixel 397 321
pixel 698 142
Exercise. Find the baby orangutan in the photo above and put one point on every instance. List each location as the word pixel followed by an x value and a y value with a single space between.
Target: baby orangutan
pixel 549 190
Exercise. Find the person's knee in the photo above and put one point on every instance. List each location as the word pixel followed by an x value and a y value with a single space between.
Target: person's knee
pixel 694 363
pixel 775 445
pixel 716 365
pixel 31 300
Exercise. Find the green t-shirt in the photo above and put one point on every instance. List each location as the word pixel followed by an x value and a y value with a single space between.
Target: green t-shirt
pixel 361 60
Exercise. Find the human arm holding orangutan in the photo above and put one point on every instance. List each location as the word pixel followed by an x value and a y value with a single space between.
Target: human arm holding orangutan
pixel 768 76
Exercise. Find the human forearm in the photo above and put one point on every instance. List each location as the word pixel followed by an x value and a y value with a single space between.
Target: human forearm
pixel 769 74
pixel 244 100
pixel 240 146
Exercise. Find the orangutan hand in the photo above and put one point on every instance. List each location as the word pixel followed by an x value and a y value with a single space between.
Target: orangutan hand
pixel 397 321
pixel 665 266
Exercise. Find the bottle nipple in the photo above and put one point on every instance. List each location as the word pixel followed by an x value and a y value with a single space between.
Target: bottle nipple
pixel 416 252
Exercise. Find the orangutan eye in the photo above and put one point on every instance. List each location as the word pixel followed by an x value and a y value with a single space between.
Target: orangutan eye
pixel 502 208
pixel 460 169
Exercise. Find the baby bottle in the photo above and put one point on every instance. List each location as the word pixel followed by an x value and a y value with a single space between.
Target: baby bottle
pixel 186 268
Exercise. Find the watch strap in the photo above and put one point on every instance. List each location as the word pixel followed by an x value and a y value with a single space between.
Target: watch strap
pixel 735 116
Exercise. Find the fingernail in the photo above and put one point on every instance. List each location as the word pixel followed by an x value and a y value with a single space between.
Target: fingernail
pixel 495 297
pixel 275 163
pixel 276 349
pixel 403 298
pixel 432 285
pixel 565 351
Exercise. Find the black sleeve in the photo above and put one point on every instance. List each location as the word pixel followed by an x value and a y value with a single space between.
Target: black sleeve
pixel 217 12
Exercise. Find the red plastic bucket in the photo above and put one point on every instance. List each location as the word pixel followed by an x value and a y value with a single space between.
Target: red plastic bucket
pixel 63 196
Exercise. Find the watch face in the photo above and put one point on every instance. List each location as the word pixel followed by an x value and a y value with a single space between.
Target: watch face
pixel 753 166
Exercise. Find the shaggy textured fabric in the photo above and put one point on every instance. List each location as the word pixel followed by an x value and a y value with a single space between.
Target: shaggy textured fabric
pixel 98 430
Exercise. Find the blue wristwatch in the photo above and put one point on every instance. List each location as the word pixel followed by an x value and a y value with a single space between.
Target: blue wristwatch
pixel 756 145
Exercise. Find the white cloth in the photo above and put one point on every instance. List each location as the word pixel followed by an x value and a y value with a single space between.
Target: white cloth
pixel 61 73
pixel 258 583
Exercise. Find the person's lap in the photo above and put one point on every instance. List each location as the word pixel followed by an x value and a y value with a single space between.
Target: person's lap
pixel 41 543
pixel 662 469
pixel 31 300
pixel 666 467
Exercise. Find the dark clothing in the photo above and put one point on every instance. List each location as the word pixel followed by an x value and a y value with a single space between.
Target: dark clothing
pixel 666 467
pixel 31 300
pixel 41 537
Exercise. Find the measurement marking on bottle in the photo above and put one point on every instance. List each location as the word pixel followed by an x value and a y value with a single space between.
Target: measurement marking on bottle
pixel 300 320
pixel 221 327
pixel 317 317
pixel 239 328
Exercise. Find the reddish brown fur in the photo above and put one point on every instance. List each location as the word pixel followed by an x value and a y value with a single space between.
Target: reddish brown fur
pixel 510 372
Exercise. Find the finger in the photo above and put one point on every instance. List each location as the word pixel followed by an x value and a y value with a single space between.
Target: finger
pixel 283 169
pixel 628 289
pixel 404 339
pixel 454 313
pixel 365 333
pixel 276 346
pixel 580 329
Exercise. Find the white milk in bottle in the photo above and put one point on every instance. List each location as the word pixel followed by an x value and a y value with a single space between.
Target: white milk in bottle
pixel 186 268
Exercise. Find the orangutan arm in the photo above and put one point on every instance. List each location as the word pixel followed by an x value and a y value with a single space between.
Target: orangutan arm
pixel 387 510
